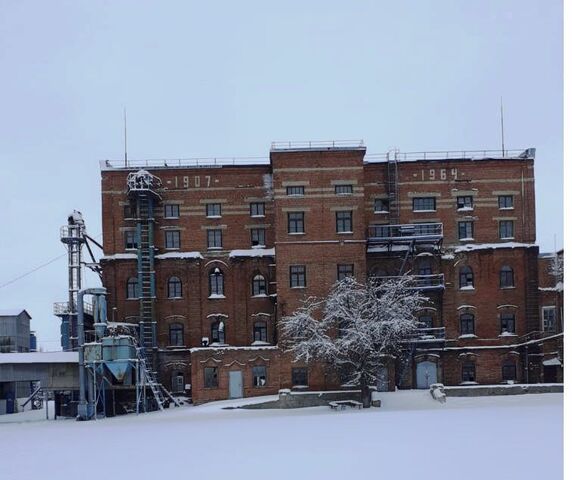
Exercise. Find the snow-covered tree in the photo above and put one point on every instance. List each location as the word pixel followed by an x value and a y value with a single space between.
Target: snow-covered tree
pixel 355 328
pixel 556 268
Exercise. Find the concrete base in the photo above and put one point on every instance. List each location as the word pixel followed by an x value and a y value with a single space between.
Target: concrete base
pixel 486 390
pixel 289 399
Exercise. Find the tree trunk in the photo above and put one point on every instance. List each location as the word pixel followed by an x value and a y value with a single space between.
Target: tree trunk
pixel 365 393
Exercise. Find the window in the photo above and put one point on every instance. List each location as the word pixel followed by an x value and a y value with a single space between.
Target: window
pixel 425 321
pixel 214 238
pixel 468 372
pixel 171 210
pixel 211 377
pixel 129 211
pixel 465 203
pixel 425 269
pixel 506 277
pixel 176 335
pixel 506 229
pixel 424 204
pixel 345 270
pixel 174 288
pixel 509 372
pixel 506 202
pixel 381 205
pixel 300 377
pixel 132 289
pixel 296 222
pixel 257 237
pixel 507 323
pixel 213 210
pixel 216 282
pixel 297 276
pixel 177 382
pixel 344 189
pixel 172 239
pixel 130 240
pixel 258 285
pixel 467 324
pixel 344 222
pixel 293 191
pixel 260 332
pixel 549 319
pixel 217 331
pixel 259 376
pixel 466 279
pixel 465 230
pixel 257 209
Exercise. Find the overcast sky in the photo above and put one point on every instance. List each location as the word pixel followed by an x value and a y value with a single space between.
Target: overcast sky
pixel 227 78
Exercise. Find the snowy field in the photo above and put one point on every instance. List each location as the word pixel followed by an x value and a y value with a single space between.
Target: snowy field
pixel 411 437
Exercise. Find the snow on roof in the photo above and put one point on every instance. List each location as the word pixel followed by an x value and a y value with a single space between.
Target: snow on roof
pixel 179 255
pixel 559 287
pixel 485 246
pixel 552 362
pixel 253 252
pixel 39 357
pixel 205 349
pixel 120 256
pixel 13 312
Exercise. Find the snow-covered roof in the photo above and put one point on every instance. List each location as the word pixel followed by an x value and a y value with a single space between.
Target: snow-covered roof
pixel 163 256
pixel 258 347
pixel 13 312
pixel 39 357
pixel 120 256
pixel 485 246
pixel 253 252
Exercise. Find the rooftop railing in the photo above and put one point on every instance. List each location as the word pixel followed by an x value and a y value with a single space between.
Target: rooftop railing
pixel 199 162
pixel 419 282
pixel 451 155
pixel 405 232
pixel 63 308
pixel 317 145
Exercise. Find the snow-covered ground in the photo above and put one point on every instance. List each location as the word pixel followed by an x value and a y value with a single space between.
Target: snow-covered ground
pixel 410 437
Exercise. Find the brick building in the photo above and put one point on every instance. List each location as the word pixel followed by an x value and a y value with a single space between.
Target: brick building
pixel 207 257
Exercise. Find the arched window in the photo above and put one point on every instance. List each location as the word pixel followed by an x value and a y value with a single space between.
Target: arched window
pixel 176 337
pixel 425 267
pixel 260 332
pixel 258 285
pixel 507 322
pixel 425 321
pixel 132 289
pixel 466 279
pixel 467 324
pixel 217 331
pixel 174 288
pixel 469 372
pixel 506 277
pixel 216 282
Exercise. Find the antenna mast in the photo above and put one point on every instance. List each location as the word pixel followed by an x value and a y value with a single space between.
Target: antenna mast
pixel 501 126
pixel 125 133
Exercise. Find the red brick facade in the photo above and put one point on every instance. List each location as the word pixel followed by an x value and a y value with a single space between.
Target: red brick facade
pixel 312 213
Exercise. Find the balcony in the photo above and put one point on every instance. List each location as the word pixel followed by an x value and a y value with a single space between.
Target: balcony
pixel 420 282
pixel 406 233
pixel 63 308
pixel 427 335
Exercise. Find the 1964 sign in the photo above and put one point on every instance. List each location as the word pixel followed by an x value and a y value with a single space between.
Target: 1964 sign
pixel 439 174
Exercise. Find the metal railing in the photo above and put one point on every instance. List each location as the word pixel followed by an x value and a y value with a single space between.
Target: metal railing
pixel 451 155
pixel 418 282
pixel 316 144
pixel 424 334
pixel 63 308
pixel 199 162
pixel 72 232
pixel 408 231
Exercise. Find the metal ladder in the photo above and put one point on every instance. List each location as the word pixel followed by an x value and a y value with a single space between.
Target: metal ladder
pixel 146 275
pixel 393 188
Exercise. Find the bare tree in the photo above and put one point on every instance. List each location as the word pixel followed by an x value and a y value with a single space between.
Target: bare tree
pixel 355 328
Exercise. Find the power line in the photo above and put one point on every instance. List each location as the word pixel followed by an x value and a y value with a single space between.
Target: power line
pixel 39 267
pixel 33 270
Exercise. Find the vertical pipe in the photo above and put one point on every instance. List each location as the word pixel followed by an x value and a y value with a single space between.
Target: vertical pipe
pixel 82 407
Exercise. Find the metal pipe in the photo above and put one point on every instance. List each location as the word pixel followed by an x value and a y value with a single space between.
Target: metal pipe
pixel 82 413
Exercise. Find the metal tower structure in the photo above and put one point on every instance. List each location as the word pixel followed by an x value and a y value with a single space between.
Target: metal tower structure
pixel 142 189
pixel 74 236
